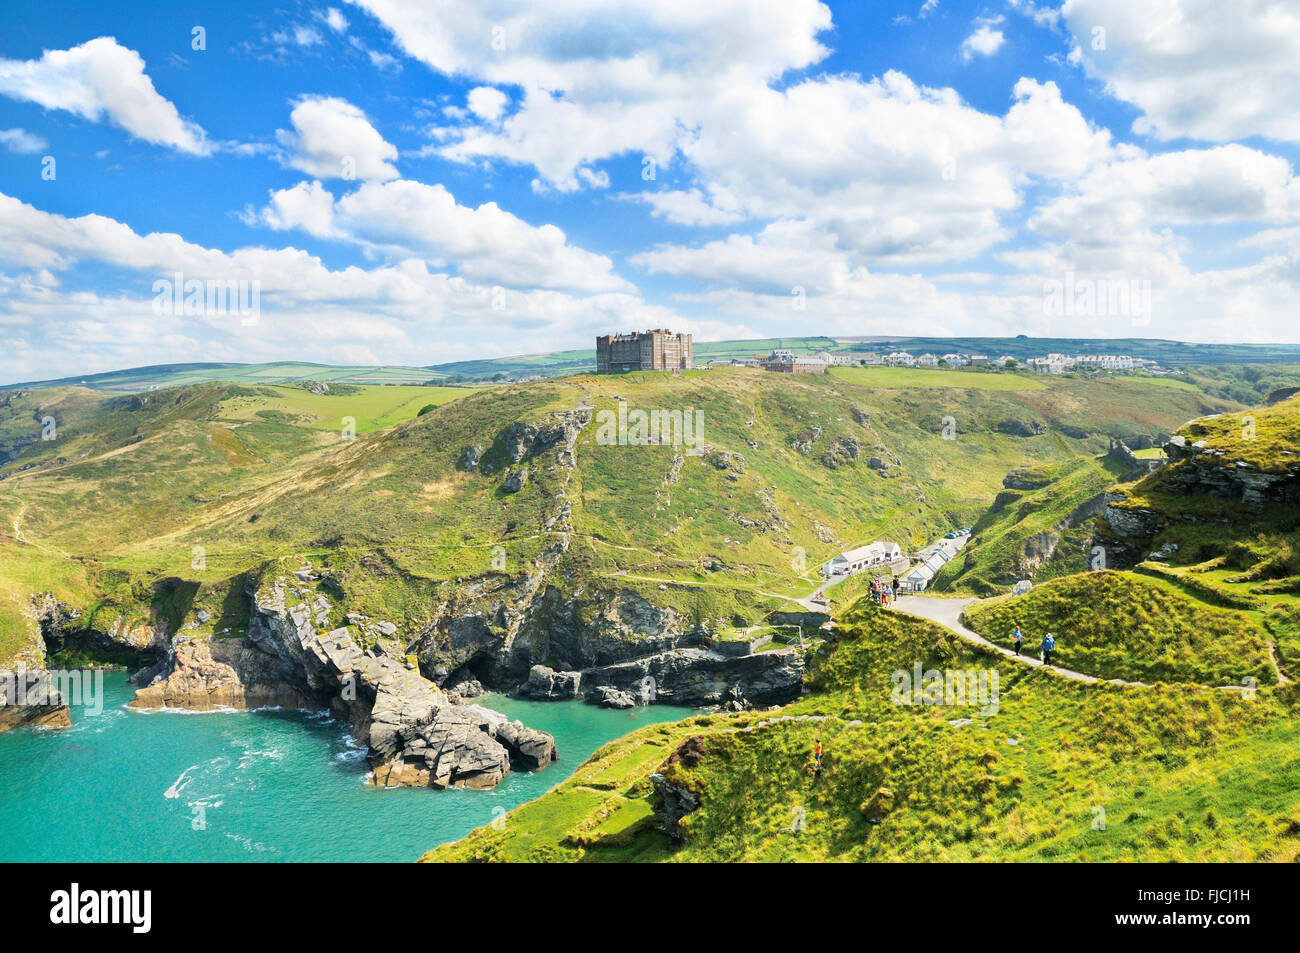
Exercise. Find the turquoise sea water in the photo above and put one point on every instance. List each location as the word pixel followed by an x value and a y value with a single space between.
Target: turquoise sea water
pixel 251 786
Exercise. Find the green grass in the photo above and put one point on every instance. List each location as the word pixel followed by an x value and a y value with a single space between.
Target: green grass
pixel 1009 542
pixel 1122 625
pixel 935 377
pixel 1178 773
pixel 1265 437
pixel 371 408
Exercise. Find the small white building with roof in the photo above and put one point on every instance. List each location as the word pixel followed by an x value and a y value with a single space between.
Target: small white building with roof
pixel 875 555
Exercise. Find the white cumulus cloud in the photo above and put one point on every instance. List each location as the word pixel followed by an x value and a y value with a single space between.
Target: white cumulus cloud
pixel 333 139
pixel 1201 69
pixel 98 79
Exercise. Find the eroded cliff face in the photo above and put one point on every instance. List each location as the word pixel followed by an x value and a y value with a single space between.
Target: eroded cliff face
pixel 690 676
pixel 126 642
pixel 606 646
pixel 417 734
pixel 1126 531
pixel 609 639
pixel 588 629
pixel 1197 468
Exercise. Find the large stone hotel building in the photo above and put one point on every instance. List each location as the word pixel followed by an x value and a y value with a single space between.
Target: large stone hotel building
pixel 656 350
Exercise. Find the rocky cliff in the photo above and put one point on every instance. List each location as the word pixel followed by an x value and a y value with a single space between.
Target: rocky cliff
pixel 1133 518
pixel 1199 468
pixel 417 734
pixel 687 676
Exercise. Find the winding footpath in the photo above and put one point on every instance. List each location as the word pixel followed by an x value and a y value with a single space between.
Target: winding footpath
pixel 948 612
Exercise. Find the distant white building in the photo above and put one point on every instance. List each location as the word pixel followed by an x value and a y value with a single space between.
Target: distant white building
pixel 1051 364
pixel 927 360
pixel 837 359
pixel 955 360
pixel 901 359
pixel 1106 362
pixel 978 359
pixel 917 579
pixel 1004 360
pixel 875 555
pixel 870 357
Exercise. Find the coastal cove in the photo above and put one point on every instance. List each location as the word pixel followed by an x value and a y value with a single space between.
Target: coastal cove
pixel 266 785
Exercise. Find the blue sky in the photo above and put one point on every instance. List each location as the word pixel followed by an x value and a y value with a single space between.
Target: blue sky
pixel 406 181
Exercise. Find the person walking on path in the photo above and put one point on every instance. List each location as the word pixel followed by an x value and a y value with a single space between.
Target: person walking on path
pixel 1049 644
pixel 1017 639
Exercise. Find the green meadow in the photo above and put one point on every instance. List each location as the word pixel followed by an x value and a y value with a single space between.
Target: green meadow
pixel 1059 772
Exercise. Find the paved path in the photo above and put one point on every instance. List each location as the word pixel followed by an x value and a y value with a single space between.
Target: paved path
pixel 947 612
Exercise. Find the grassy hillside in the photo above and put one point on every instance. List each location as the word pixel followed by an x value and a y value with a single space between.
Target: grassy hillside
pixel 1120 625
pixel 1061 771
pixel 194 489
pixel 1214 545
pixel 1038 528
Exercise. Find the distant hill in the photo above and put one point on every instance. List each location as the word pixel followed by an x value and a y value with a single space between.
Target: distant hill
pixel 136 379
pixel 1170 354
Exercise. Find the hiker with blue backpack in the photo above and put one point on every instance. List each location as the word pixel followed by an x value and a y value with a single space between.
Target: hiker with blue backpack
pixel 1017 639
pixel 1049 643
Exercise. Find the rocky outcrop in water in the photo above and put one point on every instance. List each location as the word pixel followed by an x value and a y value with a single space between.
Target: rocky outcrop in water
pixel 212 674
pixel 30 698
pixel 464 746
pixel 416 734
